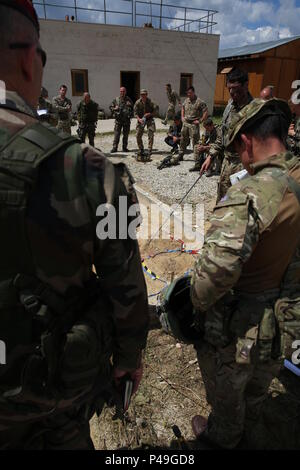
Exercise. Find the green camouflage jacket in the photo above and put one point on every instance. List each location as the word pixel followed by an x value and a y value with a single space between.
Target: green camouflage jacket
pixel 87 113
pixel 61 225
pixel 194 109
pixel 141 108
pixel 173 97
pixel 253 236
pixel 217 150
pixel 61 105
pixel 125 111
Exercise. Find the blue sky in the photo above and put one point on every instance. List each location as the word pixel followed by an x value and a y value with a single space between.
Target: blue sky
pixel 240 22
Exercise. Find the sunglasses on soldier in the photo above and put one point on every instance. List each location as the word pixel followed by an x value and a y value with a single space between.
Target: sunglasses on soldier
pixel 25 45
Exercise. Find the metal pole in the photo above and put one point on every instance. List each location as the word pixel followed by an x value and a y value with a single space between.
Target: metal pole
pixel 151 11
pixel 160 15
pixel 211 26
pixel 75 3
pixel 104 11
pixel 45 13
pixel 184 18
pixel 135 13
pixel 207 23
pixel 132 13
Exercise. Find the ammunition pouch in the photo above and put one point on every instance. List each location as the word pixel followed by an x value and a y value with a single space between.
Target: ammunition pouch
pixel 287 314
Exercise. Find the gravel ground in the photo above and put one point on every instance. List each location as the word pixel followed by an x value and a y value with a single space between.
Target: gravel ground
pixel 169 184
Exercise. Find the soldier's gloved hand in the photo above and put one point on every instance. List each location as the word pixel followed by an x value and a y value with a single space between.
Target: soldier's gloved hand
pixel 135 375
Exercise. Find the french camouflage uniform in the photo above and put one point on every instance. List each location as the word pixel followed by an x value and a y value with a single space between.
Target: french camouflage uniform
pixel 293 143
pixel 61 324
pixel 193 110
pixel 140 109
pixel 51 116
pixel 231 162
pixel 122 116
pixel 87 114
pixel 64 115
pixel 236 284
pixel 173 98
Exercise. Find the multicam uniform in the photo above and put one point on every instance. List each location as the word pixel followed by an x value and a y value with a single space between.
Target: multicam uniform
pixel 56 247
pixel 122 119
pixel 173 98
pixel 140 109
pixel 208 138
pixel 87 114
pixel 193 110
pixel 231 161
pixel 294 142
pixel 64 115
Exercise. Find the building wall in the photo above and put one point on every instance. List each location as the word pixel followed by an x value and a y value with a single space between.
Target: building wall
pixel 279 67
pixel 104 50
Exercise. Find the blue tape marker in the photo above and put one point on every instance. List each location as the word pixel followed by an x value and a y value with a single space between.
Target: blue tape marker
pixel 292 367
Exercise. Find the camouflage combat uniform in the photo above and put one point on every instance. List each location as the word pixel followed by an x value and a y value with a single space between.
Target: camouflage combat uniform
pixel 231 162
pixel 193 110
pixel 62 249
pixel 122 119
pixel 64 116
pixel 173 98
pixel 207 139
pixel 294 142
pixel 87 114
pixel 236 282
pixel 140 109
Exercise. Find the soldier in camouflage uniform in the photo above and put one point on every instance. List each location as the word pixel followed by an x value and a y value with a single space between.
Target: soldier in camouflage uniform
pixel 237 84
pixel 87 115
pixel 249 260
pixel 144 111
pixel 193 112
pixel 64 108
pixel 61 324
pixel 173 98
pixel 46 105
pixel 208 138
pixel 293 140
pixel 122 110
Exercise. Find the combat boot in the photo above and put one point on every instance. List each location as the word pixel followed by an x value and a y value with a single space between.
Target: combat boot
pixel 114 150
pixel 196 167
pixel 180 157
pixel 199 426
pixel 125 149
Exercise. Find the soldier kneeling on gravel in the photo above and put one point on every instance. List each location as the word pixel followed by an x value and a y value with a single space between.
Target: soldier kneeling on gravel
pixel 208 138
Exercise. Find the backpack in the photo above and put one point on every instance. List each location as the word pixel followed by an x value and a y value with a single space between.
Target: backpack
pixel 56 345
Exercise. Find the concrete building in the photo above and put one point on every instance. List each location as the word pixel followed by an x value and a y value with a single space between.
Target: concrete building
pixel 99 58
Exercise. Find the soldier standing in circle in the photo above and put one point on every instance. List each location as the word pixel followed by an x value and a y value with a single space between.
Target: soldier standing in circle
pixel 144 111
pixel 237 84
pixel 193 112
pixel 64 107
pixel 71 337
pixel 237 280
pixel 122 110
pixel 173 98
pixel 46 105
pixel 87 115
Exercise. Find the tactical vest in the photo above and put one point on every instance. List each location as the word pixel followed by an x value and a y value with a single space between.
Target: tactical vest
pixel 55 345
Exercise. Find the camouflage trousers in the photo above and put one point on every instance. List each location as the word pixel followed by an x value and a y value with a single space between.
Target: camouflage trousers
pixel 87 130
pixel 235 392
pixel 64 126
pixel 119 126
pixel 140 131
pixel 229 167
pixel 170 114
pixel 65 431
pixel 189 132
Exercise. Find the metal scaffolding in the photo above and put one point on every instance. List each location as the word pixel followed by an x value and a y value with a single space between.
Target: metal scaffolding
pixel 135 13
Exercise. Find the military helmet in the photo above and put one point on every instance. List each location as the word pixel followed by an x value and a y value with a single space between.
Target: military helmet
pixel 176 311
pixel 254 111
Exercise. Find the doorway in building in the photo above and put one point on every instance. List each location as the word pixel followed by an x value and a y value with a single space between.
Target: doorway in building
pixel 131 81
